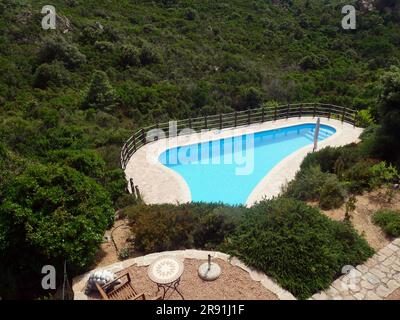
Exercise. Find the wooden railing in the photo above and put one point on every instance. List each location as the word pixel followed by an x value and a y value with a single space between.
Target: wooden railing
pixel 238 119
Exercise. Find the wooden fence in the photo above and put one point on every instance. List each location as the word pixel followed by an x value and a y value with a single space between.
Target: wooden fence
pixel 239 119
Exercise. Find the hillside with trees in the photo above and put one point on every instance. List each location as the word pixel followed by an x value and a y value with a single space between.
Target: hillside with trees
pixel 70 97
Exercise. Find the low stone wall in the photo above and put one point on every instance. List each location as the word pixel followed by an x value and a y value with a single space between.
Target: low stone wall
pixel 79 283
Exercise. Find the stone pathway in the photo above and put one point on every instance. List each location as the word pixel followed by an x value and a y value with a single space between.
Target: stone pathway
pixel 374 280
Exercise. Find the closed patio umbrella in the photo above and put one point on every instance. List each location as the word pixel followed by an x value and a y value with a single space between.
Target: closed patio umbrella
pixel 316 133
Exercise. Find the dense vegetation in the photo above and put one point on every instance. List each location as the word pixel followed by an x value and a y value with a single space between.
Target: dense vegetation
pixel 296 245
pixel 168 227
pixel 389 221
pixel 289 240
pixel 69 98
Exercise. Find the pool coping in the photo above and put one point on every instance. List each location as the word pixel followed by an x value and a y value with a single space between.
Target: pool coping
pixel 159 184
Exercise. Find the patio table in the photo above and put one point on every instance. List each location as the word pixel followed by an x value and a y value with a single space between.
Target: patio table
pixel 166 272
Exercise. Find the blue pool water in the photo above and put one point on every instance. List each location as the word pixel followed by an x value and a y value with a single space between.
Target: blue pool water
pixel 228 170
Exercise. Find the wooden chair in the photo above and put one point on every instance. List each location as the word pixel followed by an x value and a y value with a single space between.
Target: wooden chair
pixel 121 289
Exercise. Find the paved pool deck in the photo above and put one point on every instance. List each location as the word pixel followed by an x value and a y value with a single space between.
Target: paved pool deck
pixel 159 184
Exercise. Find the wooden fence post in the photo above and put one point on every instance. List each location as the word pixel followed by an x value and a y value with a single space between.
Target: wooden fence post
pixel 343 114
pixel 355 119
pixel 287 111
pixel 275 113
pixel 143 136
pixel 263 115
pixel 329 114
pixel 220 121
pixel 190 123
pixel 301 111
pixel 205 122
pixel 134 143
pixel 315 110
pixel 249 117
pixel 235 119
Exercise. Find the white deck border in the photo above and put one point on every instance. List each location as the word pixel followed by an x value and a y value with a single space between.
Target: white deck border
pixel 160 184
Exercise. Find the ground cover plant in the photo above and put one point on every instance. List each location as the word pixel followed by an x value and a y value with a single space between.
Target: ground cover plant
pixel 296 245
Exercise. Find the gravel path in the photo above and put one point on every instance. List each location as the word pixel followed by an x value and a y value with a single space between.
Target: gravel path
pixel 234 283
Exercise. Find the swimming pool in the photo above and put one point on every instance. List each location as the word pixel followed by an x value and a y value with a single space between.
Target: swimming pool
pixel 227 170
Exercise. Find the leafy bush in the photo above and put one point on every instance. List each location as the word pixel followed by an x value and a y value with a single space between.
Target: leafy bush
pixel 149 55
pixel 115 183
pixel 125 200
pixel 86 161
pixel 327 157
pixel 296 245
pixel 49 214
pixel 358 177
pixel 169 227
pixel 388 135
pixel 104 46
pixel 51 74
pixel 130 56
pixel 313 61
pixel 58 48
pixel 364 118
pixel 382 173
pixel 332 194
pixel 389 221
pixel 307 184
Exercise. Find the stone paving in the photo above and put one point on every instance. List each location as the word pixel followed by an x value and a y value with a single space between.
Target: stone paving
pixel 374 280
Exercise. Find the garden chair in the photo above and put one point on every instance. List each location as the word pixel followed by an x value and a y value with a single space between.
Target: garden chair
pixel 121 289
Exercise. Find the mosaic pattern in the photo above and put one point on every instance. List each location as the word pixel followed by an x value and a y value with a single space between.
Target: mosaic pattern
pixel 165 270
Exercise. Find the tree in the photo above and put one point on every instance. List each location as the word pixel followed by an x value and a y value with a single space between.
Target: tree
pixel 49 214
pixel 101 94
pixel 388 136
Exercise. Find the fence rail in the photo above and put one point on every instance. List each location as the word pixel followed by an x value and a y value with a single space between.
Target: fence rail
pixel 238 119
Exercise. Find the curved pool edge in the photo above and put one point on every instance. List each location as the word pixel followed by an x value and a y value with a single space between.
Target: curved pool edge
pixel 159 184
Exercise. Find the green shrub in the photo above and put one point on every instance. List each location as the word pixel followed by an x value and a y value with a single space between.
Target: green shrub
pixel 307 184
pixel 58 48
pixel 388 135
pixel 171 227
pixel 149 55
pixel 381 174
pixel 327 157
pixel 332 194
pixel 51 74
pixel 104 46
pixel 160 228
pixel 52 213
pixel 389 221
pixel 86 161
pixel 191 14
pixel 115 183
pixel 125 200
pixel 312 62
pixel 296 245
pixel 130 56
pixel 364 118
pixel 359 176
